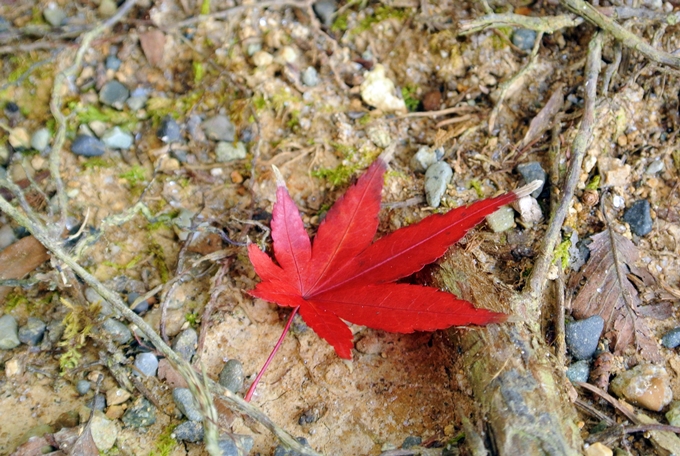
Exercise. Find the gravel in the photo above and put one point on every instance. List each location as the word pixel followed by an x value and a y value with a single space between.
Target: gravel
pixel 579 371
pixel 219 128
pixel 310 77
pixel 117 139
pixel 532 171
pixel 232 376
pixel 32 332
pixel 437 177
pixel 169 130
pixel 40 139
pixel 147 364
pixel 185 344
pixel 639 217
pixel 140 414
pixel 82 387
pixel 227 151
pixel 582 336
pixel 671 339
pixel 114 94
pixel 186 404
pixel 87 146
pixel 119 333
pixel 9 337
pixel 189 431
pixel 524 39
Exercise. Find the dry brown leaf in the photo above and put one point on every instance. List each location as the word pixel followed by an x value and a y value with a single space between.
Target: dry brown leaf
pixel 19 259
pixel 607 291
pixel 85 445
pixel 544 118
pixel 153 45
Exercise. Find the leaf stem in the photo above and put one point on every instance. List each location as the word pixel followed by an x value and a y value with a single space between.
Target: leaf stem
pixel 251 390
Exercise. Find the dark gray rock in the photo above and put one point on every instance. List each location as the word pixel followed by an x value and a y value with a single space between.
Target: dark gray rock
pixel 169 130
pixel 229 445
pixel 231 376
pixel 437 177
pixel 141 414
pixel 141 307
pixel 524 39
pixel 411 441
pixel 186 404
pixel 189 431
pixel 325 9
pixel 185 344
pixel 282 451
pixel 219 128
pixel 639 217
pixel 579 371
pixel 9 336
pixel 98 402
pixel 82 387
pixel 87 146
pixel 114 94
pixel 118 331
pixel 147 364
pixel 32 332
pixel 582 336
pixel 112 63
pixel 530 172
pixel 671 339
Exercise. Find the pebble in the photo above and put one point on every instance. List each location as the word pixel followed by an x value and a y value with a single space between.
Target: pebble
pixel 229 444
pixel 141 307
pixel 82 387
pixel 32 332
pixel 673 414
pixel 283 451
pixel 411 441
pixel 40 139
pixel 94 298
pixel 189 431
pixel 140 414
pixel 19 138
pixel 147 364
pixel 116 396
pixel 529 210
pixel 310 77
pixel 324 10
pixel 530 172
pixel 9 337
pixel 98 402
pixel 119 333
pixel 107 8
pixel 114 94
pixel 437 177
pixel 7 236
pixel 219 128
pixel 501 220
pixel 378 91
pixel 639 217
pixel 54 15
pixel 169 130
pixel 4 156
pixel 4 25
pixel 262 59
pixel 186 404
pixel 524 39
pixel 231 376
pixel 671 339
pixel 104 432
pixel 582 336
pixel 137 99
pixel 646 385
pixel 655 167
pixel 87 146
pixel 432 100
pixel 379 136
pixel 117 139
pixel 185 344
pixel 598 449
pixel 112 63
pixel 579 371
pixel 226 151
pixel 253 48
pixel 286 55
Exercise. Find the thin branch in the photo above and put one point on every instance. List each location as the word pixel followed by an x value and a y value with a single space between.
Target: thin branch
pixel 546 24
pixel 538 280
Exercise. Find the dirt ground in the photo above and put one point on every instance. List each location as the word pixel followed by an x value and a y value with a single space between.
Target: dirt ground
pixel 248 62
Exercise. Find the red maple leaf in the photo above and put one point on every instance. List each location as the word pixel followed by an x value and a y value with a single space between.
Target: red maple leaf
pixel 344 275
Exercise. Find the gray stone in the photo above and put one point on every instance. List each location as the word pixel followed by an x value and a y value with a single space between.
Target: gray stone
pixel 232 376
pixel 54 15
pixel 532 171
pixel 40 140
pixel 235 444
pixel 579 371
pixel 325 9
pixel 117 139
pixel 185 344
pixel 169 130
pixel 140 414
pixel 98 402
pixel 671 339
pixel 411 441
pixel 226 151
pixel 655 167
pixel 283 451
pixel 114 94
pixel 186 404
pixel 437 177
pixel 32 332
pixel 141 307
pixel 94 298
pixel 147 364
pixel 104 432
pixel 4 25
pixel 219 128
pixel 136 103
pixel 310 77
pixel 639 217
pixel 582 336
pixel 118 331
pixel 87 146
pixel 9 337
pixel 112 63
pixel 189 431
pixel 524 39
pixel 7 236
pixel 82 387
pixel 426 157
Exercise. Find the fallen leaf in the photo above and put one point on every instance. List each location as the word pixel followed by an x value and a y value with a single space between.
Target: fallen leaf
pixel 19 259
pixel 153 46
pixel 608 292
pixel 344 275
pixel 541 122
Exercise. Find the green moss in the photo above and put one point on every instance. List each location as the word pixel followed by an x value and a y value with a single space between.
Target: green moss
pixel 381 13
pixel 340 24
pixel 97 162
pixel 192 318
pixel 259 102
pixel 408 94
pixel 78 324
pixel 159 260
pixel 474 183
pixel 562 253
pixel 594 183
pixel 14 300
pixel 205 7
pixel 88 113
pixel 165 443
pixel 159 107
pixel 199 72
pixel 335 176
pixel 124 267
pixel 135 176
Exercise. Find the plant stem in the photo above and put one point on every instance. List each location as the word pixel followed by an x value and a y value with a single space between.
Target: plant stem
pixel 251 390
